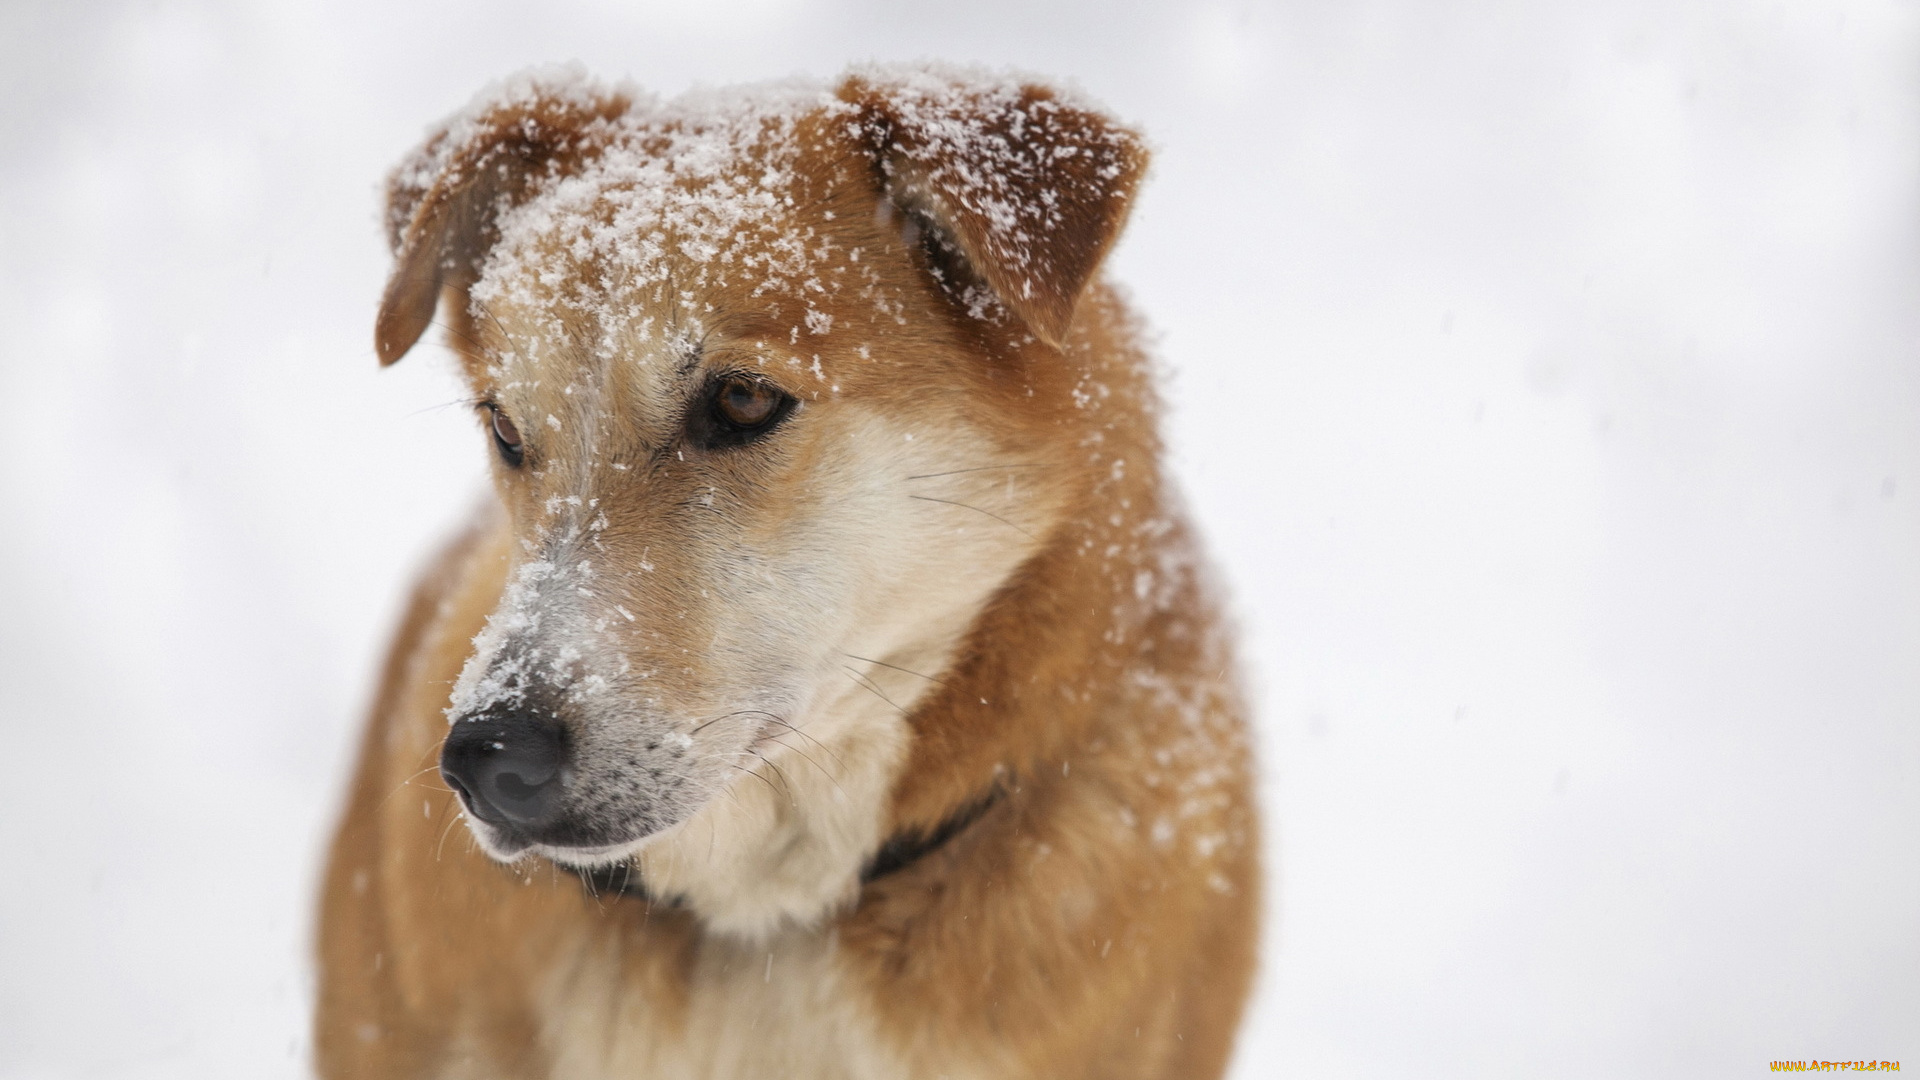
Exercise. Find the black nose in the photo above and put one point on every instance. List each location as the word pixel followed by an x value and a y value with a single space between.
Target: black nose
pixel 507 768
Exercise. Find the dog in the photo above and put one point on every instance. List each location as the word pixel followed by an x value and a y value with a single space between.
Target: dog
pixel 833 687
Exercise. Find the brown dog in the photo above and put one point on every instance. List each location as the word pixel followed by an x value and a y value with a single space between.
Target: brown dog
pixel 833 689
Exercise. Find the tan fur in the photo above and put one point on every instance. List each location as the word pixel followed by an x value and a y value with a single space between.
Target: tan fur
pixel 954 574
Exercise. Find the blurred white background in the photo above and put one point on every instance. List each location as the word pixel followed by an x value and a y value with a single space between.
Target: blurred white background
pixel 1545 375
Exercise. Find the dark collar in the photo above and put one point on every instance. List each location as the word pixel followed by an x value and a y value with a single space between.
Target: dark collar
pixel 901 850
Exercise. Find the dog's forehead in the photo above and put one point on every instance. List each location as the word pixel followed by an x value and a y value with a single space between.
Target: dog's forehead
pixel 710 219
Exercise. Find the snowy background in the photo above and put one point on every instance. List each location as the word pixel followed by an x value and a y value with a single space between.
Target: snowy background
pixel 1547 379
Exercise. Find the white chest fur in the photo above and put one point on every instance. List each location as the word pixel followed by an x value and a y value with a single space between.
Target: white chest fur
pixel 783 1008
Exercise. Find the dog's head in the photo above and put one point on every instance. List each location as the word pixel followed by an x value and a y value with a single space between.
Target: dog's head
pixel 774 385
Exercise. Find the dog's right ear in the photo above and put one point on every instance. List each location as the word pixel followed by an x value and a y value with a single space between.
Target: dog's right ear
pixel 445 199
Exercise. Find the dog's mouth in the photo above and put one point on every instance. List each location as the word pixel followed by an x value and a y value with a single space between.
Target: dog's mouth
pixel 507 845
pixel 565 840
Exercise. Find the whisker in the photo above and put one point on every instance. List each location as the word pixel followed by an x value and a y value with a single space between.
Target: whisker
pixel 830 777
pixel 755 775
pixel 977 510
pixel 451 822
pixel 896 667
pixel 775 719
pixel 440 407
pixel 492 318
pixel 811 739
pixel 408 782
pixel 593 893
pixel 762 759
pixel 873 687
pixel 447 328
pixel 785 781
pixel 703 725
pixel 434 769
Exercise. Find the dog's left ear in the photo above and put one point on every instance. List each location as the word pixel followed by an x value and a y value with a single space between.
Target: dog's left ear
pixel 1031 189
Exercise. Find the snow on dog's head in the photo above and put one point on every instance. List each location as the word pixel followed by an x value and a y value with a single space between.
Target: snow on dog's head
pixel 776 382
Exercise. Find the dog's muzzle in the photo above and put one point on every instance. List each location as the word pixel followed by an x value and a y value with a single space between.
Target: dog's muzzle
pixel 508 770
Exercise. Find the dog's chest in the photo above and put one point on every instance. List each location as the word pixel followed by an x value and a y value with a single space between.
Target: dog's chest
pixel 789 1008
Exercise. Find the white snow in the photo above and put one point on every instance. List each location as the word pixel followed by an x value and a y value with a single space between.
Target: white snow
pixel 1543 378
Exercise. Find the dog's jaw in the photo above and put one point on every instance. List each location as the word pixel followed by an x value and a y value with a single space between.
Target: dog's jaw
pixel 787 852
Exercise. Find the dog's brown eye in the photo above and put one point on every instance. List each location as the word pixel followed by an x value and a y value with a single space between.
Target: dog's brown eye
pixel 506 437
pixel 746 403
pixel 737 410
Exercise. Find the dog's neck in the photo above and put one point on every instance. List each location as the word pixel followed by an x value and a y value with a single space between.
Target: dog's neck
pixel 1041 663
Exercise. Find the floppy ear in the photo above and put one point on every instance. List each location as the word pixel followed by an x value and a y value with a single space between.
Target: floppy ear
pixel 443 201
pixel 1032 190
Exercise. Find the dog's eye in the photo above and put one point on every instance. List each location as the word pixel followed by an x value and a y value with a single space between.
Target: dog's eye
pixel 737 410
pixel 746 403
pixel 506 437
